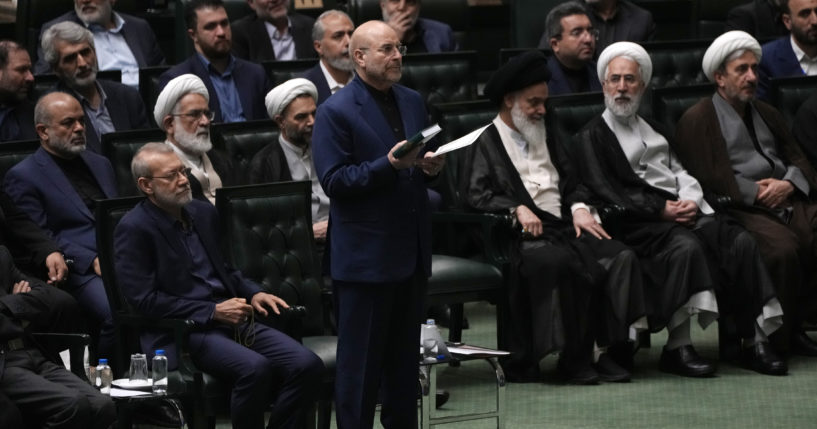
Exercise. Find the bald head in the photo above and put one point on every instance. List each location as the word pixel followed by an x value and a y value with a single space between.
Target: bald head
pixel 376 53
pixel 60 123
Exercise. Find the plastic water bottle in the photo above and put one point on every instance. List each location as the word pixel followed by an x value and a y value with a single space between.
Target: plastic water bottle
pixel 160 373
pixel 104 377
pixel 428 340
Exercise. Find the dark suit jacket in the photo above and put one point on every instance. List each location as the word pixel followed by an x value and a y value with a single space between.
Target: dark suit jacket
pixel 805 128
pixel 379 219
pixel 315 75
pixel 252 43
pixel 251 82
pixel 437 36
pixel 23 116
pixel 40 188
pixel 757 18
pixel 778 61
pixel 137 33
pixel 125 106
pixel 29 244
pixel 153 268
pixel 269 165
pixel 559 85
pixel 631 23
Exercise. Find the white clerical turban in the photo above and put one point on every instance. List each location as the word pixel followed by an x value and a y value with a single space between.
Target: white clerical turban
pixel 279 97
pixel 628 49
pixel 173 91
pixel 725 45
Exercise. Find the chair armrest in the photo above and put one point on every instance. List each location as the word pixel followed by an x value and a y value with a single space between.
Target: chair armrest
pixel 494 230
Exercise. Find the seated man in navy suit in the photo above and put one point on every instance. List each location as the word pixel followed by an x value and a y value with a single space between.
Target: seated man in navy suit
pixel 418 34
pixel 58 186
pixel 125 42
pixel 169 266
pixel 109 106
pixel 794 55
pixel 272 33
pixel 236 86
pixel 570 34
pixel 330 36
pixel 16 81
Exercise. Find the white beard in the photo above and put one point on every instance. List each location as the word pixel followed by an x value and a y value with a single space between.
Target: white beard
pixel 534 132
pixel 192 142
pixel 623 110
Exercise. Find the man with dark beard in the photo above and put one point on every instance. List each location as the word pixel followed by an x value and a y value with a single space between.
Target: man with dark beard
pixel 58 186
pixel 109 106
pixel 330 37
pixel 169 263
pixel 182 111
pixel 565 258
pixel 625 161
pixel 742 149
pixel 793 55
pixel 16 80
pixel 124 42
pixel 292 106
pixel 236 86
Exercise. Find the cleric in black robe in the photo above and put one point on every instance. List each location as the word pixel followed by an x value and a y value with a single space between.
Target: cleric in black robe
pixel 624 160
pixel 571 291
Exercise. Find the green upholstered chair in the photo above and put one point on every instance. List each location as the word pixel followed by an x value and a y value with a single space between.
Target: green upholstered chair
pixel 528 21
pixel 669 104
pixel 443 77
pixel 505 54
pixel 119 147
pixel 149 88
pixel 674 19
pixel 676 63
pixel 268 230
pixel 241 141
pixel 282 71
pixel 711 16
pixel 787 94
pixel 567 114
pixel 12 152
pixel 31 15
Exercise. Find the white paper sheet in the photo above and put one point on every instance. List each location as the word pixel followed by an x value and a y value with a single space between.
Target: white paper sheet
pixel 461 142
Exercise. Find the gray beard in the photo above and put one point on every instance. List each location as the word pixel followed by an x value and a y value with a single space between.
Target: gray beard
pixel 190 142
pixel 534 132
pixel 100 18
pixel 341 63
pixel 623 111
pixel 173 201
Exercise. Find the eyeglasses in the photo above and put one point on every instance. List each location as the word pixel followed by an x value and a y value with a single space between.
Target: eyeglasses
pixel 174 175
pixel 628 79
pixel 389 49
pixel 195 115
pixel 580 31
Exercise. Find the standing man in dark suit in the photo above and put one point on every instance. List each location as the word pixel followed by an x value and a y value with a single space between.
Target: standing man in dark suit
pixel 46 394
pixel 330 37
pixel 57 186
pixel 418 34
pixel 109 106
pixel 237 87
pixel 169 265
pixel 272 33
pixel 16 81
pixel 794 55
pixel 379 230
pixel 570 34
pixel 124 42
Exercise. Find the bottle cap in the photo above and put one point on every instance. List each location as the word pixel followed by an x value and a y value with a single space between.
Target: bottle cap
pixel 103 361
pixel 160 352
pixel 430 322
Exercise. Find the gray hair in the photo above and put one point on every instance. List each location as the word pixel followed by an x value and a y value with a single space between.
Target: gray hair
pixel 318 30
pixel 41 113
pixel 139 166
pixel 553 22
pixel 67 31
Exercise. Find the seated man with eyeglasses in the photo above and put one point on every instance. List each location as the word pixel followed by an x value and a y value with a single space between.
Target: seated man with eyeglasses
pixel 182 111
pixel 569 33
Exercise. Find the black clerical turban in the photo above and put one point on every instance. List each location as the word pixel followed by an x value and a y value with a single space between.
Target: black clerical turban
pixel 520 72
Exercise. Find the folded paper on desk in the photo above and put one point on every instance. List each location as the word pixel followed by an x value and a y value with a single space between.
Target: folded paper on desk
pixel 461 142
pixel 467 350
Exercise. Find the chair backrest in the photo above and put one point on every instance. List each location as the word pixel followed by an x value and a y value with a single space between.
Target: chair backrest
pixel 119 147
pixel 45 83
pixel 789 93
pixel 282 71
pixel 31 15
pixel 528 21
pixel 677 63
pixel 12 152
pixel 711 16
pixel 268 233
pixel 674 19
pixel 242 140
pixel 506 54
pixel 237 9
pixel 567 114
pixel 443 77
pixel 669 104
pixel 456 120
pixel 149 87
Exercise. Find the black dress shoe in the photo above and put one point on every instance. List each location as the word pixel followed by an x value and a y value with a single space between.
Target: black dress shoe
pixel 610 371
pixel 802 344
pixel 442 397
pixel 582 375
pixel 762 358
pixel 685 361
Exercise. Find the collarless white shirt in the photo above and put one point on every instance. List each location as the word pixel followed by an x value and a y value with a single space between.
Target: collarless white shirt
pixel 334 86
pixel 302 167
pixel 807 64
